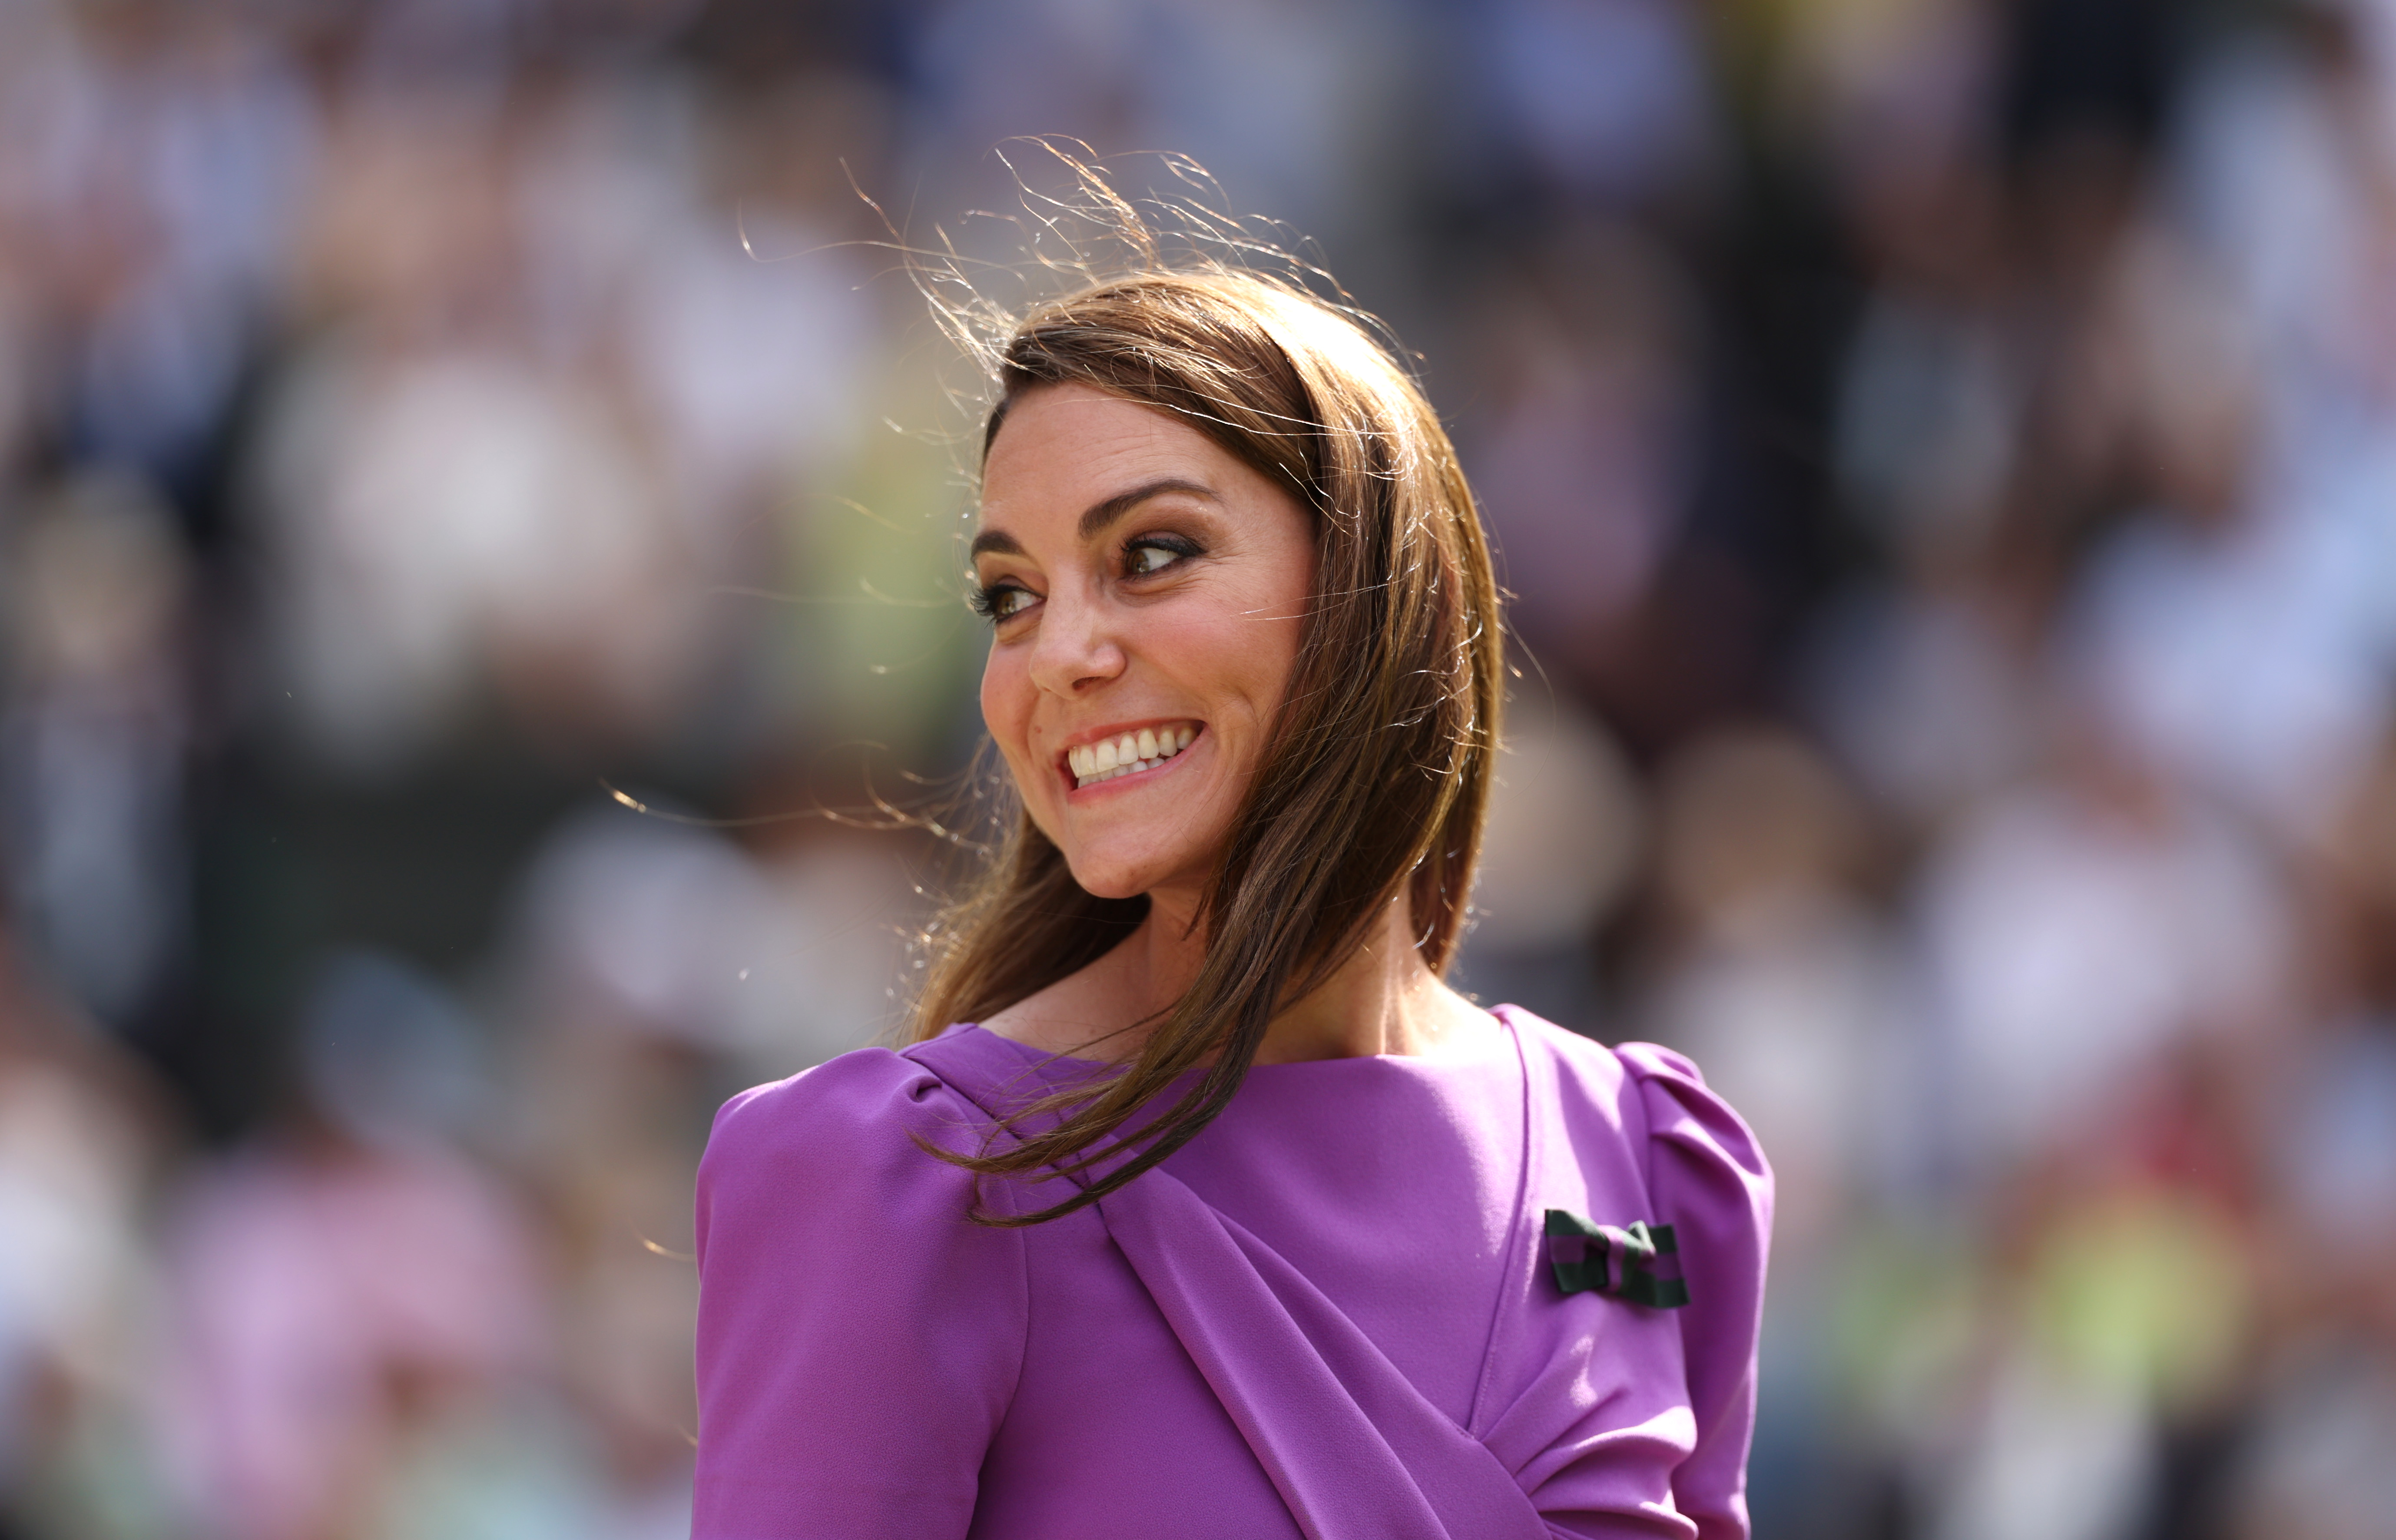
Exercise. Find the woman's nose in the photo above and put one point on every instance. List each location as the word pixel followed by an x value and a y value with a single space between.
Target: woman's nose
pixel 1076 648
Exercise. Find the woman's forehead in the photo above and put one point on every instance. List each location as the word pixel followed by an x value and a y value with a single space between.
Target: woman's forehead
pixel 1061 455
pixel 1074 417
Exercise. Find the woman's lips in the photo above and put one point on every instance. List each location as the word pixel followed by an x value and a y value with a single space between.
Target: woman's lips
pixel 1129 753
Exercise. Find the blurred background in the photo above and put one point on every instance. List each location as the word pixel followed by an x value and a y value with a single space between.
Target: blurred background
pixel 1943 451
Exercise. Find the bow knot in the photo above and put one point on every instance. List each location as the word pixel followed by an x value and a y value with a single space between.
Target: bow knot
pixel 1622 1262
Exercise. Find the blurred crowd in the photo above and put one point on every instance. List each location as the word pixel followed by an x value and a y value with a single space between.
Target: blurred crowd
pixel 479 498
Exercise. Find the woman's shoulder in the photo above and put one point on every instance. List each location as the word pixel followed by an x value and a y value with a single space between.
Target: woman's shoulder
pixel 859 1336
pixel 864 1117
pixel 1645 1091
pixel 859 1094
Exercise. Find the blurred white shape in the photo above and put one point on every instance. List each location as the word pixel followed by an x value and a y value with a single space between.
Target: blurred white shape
pixel 2055 1459
pixel 676 930
pixel 2067 941
pixel 1796 1016
pixel 742 327
pixel 751 362
pixel 436 513
pixel 72 1254
pixel 650 920
pixel 1562 833
pixel 2233 659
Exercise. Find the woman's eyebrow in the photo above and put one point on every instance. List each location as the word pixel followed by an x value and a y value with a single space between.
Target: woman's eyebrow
pixel 1094 520
pixel 1098 516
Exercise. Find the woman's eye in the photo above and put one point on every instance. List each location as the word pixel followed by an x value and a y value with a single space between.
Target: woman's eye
pixel 1149 557
pixel 1001 602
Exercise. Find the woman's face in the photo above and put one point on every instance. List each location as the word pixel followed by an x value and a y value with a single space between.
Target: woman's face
pixel 1146 591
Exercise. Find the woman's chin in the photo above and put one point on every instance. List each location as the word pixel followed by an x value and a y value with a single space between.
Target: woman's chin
pixel 1104 877
pixel 1110 883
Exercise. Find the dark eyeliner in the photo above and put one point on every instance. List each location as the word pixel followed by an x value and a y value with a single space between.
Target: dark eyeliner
pixel 984 599
pixel 1182 547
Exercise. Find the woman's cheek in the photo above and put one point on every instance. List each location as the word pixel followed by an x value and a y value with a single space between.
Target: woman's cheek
pixel 1006 694
pixel 1247 659
pixel 1005 714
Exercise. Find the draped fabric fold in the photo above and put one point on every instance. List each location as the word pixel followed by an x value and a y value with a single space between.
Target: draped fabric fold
pixel 1353 1447
pixel 1350 1444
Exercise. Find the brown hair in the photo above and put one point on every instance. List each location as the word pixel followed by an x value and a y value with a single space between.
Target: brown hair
pixel 1377 771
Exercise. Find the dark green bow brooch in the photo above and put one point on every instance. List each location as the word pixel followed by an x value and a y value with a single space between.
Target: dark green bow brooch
pixel 1619 1262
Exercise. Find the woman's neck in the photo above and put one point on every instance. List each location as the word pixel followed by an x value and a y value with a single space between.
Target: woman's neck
pixel 1382 1001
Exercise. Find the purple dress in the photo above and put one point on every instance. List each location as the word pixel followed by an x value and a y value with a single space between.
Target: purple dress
pixel 1333 1314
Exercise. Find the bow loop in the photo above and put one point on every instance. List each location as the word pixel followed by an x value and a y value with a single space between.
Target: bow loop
pixel 1622 1262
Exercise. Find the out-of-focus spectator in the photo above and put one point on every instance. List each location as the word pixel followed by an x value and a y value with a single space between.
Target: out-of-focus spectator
pixel 2089 919
pixel 656 966
pixel 161 155
pixel 346 1294
pixel 1777 971
pixel 1565 833
pixel 634 924
pixel 80 1146
pixel 1583 429
pixel 1297 109
pixel 2326 1116
pixel 1772 969
pixel 93 741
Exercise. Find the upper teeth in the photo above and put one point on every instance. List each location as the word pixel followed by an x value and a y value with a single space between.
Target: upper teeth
pixel 1145 749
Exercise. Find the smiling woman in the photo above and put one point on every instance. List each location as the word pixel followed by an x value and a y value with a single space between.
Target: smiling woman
pixel 1200 1205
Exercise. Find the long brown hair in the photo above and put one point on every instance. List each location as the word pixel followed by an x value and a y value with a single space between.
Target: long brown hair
pixel 1376 773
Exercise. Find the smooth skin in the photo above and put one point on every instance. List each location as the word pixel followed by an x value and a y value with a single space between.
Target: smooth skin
pixel 1137 575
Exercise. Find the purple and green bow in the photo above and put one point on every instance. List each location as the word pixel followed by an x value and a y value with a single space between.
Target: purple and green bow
pixel 1621 1262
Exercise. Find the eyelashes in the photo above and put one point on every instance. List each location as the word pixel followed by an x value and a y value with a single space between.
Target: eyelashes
pixel 1179 548
pixel 1002 601
pixel 995 601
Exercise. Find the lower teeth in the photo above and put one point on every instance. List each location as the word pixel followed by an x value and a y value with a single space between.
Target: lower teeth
pixel 1118 770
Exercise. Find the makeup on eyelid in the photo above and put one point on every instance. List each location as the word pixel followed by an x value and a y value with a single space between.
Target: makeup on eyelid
pixel 991 601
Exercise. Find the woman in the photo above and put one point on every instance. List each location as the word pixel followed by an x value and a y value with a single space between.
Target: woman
pixel 1227 1217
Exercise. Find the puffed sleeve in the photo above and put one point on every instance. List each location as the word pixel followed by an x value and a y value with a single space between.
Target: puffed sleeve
pixel 1707 1177
pixel 859 1336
